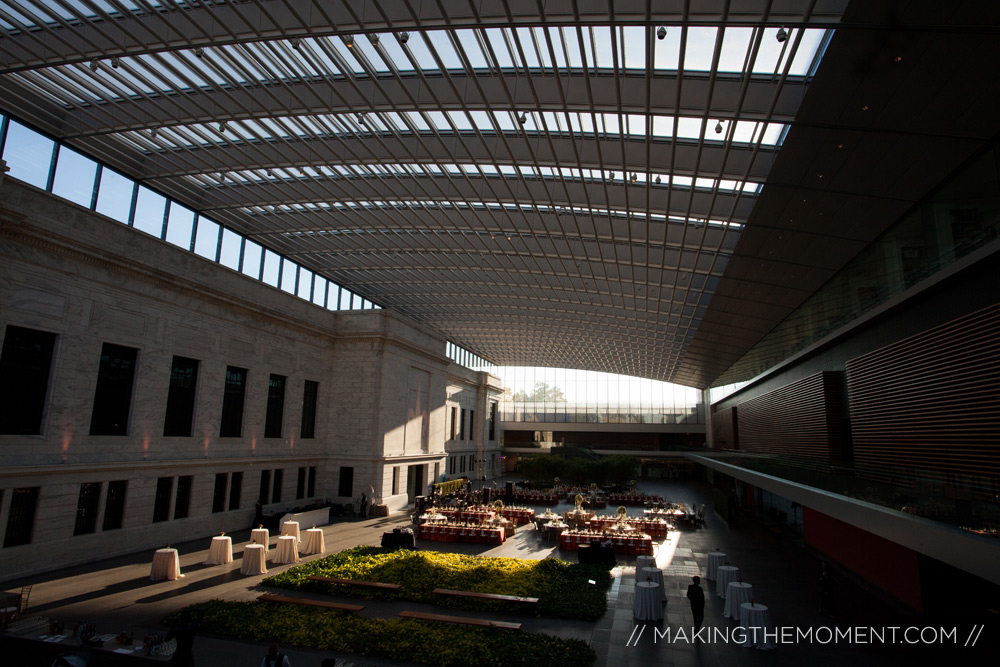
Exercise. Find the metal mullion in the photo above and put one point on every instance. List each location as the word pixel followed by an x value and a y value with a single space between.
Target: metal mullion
pixel 622 139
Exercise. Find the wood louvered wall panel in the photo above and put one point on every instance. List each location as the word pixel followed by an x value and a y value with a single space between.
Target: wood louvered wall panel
pixel 931 401
pixel 799 419
pixel 724 433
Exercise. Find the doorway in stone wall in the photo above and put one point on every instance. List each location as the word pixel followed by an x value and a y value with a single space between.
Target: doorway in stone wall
pixel 416 481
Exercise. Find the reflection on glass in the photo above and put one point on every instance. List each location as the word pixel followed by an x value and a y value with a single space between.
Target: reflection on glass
pixel 206 241
pixel 28 155
pixel 230 253
pixel 114 195
pixel 252 253
pixel 149 208
pixel 180 226
pixel 74 179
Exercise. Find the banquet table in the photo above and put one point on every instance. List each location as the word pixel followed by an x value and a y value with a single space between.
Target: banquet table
pixel 472 534
pixel 737 593
pixel 260 536
pixel 221 551
pixel 166 565
pixel 756 618
pixel 715 559
pixel 725 574
pixel 647 605
pixel 313 542
pixel 291 528
pixel 253 559
pixel 637 543
pixel 287 550
pixel 655 575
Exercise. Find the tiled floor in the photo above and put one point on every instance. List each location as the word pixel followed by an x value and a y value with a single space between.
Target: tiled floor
pixel 117 594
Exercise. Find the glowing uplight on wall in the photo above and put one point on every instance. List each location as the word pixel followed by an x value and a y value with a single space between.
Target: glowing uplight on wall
pixel 145 446
pixel 206 445
pixel 253 445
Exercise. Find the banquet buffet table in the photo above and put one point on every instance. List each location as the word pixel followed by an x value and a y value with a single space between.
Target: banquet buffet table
pixel 725 575
pixel 254 559
pixel 287 550
pixel 166 565
pixel 756 618
pixel 221 551
pixel 313 542
pixel 648 605
pixel 634 544
pixel 456 533
pixel 737 593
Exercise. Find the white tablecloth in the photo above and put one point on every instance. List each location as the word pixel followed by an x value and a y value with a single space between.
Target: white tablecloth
pixel 291 528
pixel 313 542
pixel 715 559
pixel 260 536
pixel 723 576
pixel 736 594
pixel 644 561
pixel 647 606
pixel 166 565
pixel 655 575
pixel 755 618
pixel 287 550
pixel 253 559
pixel 221 551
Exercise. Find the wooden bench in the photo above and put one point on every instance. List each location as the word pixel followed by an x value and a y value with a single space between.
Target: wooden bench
pixel 484 596
pixel 340 606
pixel 356 582
pixel 465 620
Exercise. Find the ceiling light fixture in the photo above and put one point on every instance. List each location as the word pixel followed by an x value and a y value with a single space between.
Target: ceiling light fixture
pixel 634 177
pixel 294 41
pixel 373 38
pixel 522 119
pixel 349 40
pixel 657 180
pixel 782 35
pixel 661 32
pixel 718 127
pixel 115 62
pixel 404 37
pixel 200 52
pixel 222 126
pixel 152 133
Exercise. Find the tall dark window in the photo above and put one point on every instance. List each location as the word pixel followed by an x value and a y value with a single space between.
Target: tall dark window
pixel 461 426
pixel 180 397
pixel 235 490
pixel 279 478
pixel 309 395
pixel 300 484
pixel 232 402
pixel 24 379
pixel 395 480
pixel 472 424
pixel 265 487
pixel 114 505
pixel 183 501
pixel 346 482
pixel 454 422
pixel 86 508
pixel 311 488
pixel 219 494
pixel 21 519
pixel 161 504
pixel 275 406
pixel 493 420
pixel 113 396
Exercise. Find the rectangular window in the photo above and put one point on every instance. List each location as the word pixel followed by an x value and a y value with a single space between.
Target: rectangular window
pixel 265 487
pixel 454 422
pixel 180 398
pixel 311 489
pixel 346 482
pixel 235 491
pixel 300 484
pixel 161 505
pixel 114 505
pixel 25 363
pixel 493 420
pixel 472 424
pixel 395 480
pixel 451 465
pixel 232 402
pixel 113 395
pixel 21 519
pixel 437 471
pixel 461 426
pixel 462 461
pixel 279 478
pixel 309 396
pixel 275 406
pixel 219 494
pixel 183 501
pixel 86 508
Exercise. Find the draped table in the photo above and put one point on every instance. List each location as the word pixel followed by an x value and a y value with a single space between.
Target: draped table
pixel 647 605
pixel 291 528
pixel 166 565
pixel 260 536
pixel 756 618
pixel 737 593
pixel 221 551
pixel 715 559
pixel 313 543
pixel 655 575
pixel 253 559
pixel 724 575
pixel 287 550
pixel 475 535
pixel 644 561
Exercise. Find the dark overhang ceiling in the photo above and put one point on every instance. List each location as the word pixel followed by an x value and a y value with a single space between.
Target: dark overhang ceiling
pixel 478 175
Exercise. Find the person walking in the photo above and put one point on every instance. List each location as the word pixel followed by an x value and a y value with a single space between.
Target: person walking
pixel 696 594
pixel 274 658
pixel 364 506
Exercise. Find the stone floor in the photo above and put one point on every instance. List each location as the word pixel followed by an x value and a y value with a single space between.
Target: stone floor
pixel 116 594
